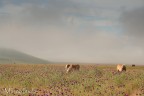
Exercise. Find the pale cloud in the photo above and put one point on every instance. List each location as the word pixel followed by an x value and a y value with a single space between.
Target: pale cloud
pixel 67 30
pixel 128 4
pixel 104 23
pixel 133 23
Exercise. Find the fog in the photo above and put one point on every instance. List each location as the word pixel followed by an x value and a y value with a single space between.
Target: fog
pixel 75 30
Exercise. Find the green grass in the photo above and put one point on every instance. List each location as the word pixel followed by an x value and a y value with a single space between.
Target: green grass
pixel 91 80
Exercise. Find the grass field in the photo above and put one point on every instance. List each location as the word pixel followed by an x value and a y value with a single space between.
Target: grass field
pixel 51 80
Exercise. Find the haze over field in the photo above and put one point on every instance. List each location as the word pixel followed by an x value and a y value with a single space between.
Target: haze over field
pixel 94 31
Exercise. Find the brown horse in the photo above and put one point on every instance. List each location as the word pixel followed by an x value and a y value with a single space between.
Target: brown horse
pixel 121 67
pixel 72 67
pixel 133 65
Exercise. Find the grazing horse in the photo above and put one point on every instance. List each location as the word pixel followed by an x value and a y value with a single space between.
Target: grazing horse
pixel 121 67
pixel 72 67
pixel 133 65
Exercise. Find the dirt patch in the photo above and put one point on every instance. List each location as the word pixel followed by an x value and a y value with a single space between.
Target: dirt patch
pixel 138 93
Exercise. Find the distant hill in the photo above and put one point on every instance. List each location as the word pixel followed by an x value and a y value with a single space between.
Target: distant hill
pixel 10 56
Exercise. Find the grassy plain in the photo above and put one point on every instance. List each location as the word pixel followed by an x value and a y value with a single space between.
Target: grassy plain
pixel 51 80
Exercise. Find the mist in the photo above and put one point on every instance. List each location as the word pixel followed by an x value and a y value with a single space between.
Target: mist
pixel 75 31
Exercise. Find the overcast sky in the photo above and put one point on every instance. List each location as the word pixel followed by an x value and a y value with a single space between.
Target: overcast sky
pixel 90 31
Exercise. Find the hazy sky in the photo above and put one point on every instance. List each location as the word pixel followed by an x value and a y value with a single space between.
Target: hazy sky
pixel 94 31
